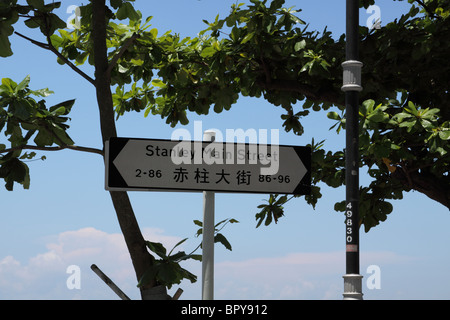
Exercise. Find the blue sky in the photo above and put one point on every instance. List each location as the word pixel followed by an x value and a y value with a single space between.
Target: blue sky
pixel 66 217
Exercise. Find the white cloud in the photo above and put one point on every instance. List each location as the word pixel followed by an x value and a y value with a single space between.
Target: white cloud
pixel 44 275
pixel 301 275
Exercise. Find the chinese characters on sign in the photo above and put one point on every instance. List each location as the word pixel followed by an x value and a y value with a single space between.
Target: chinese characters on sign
pixel 202 176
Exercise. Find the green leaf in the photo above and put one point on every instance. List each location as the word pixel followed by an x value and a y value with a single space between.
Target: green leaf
pixel 28 156
pixel 147 111
pixel 427 125
pixel 43 138
pixel 197 257
pixel 169 274
pixel 221 238
pixel 63 137
pixel 126 10
pixel 411 108
pixel 23 84
pixel 401 116
pixel 367 107
pixel 339 206
pixel 154 33
pixel 41 92
pixel 296 19
pixel 6 29
pixel 430 114
pixel 306 66
pixel 300 45
pixel 208 52
pixel 408 124
pixel 33 23
pixel 179 256
pixel 62 108
pixel 38 4
pixel 22 108
pixel 333 115
pixel 157 248
pixel 378 116
pixel 5 45
pixel 14 170
pixel 248 37
pixel 158 83
pixel 444 135
pixel 116 3
pixel 8 85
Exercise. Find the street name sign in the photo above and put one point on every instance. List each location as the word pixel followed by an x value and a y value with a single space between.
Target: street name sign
pixel 165 165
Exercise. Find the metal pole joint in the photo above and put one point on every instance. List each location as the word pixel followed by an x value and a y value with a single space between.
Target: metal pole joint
pixel 352 75
pixel 353 287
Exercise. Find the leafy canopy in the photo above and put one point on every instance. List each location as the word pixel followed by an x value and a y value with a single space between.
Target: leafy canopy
pixel 23 119
pixel 266 51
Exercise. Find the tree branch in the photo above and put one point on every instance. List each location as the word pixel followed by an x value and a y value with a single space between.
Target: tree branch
pixel 68 62
pixel 428 10
pixel 37 43
pixel 432 186
pixel 71 147
pixel 51 48
pixel 116 58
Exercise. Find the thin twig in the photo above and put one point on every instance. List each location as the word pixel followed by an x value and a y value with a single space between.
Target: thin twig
pixel 39 44
pixel 71 147
pixel 109 282
pixel 68 62
pixel 177 294
pixel 50 47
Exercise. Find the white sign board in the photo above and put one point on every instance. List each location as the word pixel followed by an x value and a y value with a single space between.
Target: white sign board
pixel 152 165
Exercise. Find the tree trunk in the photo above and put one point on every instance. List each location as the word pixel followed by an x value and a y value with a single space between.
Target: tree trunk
pixel 135 242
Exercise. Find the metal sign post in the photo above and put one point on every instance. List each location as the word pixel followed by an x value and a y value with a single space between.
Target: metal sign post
pixel 351 87
pixel 208 237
